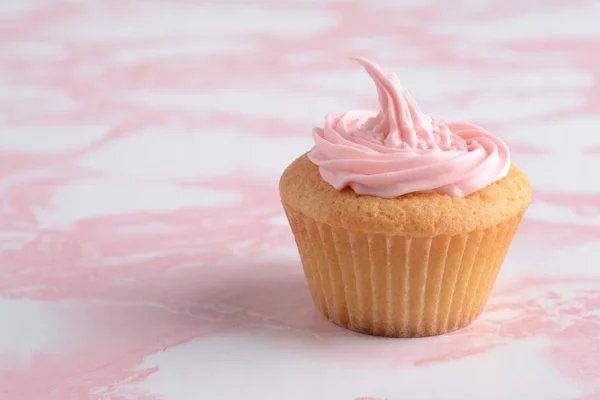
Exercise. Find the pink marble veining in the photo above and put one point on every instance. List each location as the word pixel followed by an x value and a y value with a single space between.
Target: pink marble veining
pixel 143 250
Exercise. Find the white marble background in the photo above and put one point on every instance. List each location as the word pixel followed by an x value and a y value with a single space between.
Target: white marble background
pixel 143 250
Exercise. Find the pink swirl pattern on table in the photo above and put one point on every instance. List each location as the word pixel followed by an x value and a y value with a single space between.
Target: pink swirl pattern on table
pixel 401 150
pixel 144 254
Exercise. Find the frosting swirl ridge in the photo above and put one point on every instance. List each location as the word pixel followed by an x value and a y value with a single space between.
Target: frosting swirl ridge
pixel 401 150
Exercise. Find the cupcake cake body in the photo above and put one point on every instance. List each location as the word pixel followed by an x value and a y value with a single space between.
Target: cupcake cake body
pixel 402 221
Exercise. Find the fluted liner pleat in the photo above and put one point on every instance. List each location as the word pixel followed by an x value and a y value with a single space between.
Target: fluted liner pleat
pixel 398 286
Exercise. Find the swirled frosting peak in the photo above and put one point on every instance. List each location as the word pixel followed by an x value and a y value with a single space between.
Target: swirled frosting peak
pixel 400 150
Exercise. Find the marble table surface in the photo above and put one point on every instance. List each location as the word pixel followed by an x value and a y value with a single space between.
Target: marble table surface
pixel 144 253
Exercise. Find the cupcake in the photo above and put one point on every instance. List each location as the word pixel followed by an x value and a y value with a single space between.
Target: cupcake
pixel 402 221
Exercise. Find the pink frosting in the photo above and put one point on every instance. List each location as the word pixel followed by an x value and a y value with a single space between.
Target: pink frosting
pixel 401 150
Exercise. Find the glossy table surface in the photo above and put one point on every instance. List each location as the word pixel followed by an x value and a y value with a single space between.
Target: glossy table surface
pixel 144 253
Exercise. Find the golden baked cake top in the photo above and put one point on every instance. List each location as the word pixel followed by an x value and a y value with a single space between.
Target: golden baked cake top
pixel 421 214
